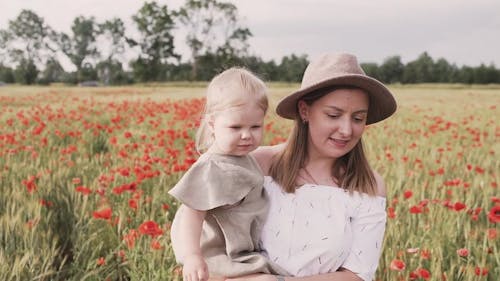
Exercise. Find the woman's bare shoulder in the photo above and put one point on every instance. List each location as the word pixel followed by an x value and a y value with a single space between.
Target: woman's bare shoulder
pixel 265 154
pixel 381 191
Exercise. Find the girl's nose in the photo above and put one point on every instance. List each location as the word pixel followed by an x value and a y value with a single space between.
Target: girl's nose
pixel 245 134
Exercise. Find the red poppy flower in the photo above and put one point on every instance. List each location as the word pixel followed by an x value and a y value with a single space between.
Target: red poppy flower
pixel 425 254
pixel 494 214
pixel 413 275
pixel 30 184
pixel 391 213
pixel 416 210
pixel 481 271
pixel 130 237
pixel 155 245
pixel 101 261
pixel 423 273
pixel 492 233
pixel 150 228
pixel 121 255
pixel 397 265
pixel 463 252
pixel 83 190
pixel 103 214
pixel 459 206
pixel 132 203
pixel 408 194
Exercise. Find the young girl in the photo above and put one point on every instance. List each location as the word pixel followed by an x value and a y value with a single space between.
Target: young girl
pixel 216 230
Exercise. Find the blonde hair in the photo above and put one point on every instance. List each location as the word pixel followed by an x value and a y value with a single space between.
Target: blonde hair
pixel 351 171
pixel 232 88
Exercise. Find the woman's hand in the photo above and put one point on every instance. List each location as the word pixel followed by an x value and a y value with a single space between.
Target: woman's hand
pixel 195 269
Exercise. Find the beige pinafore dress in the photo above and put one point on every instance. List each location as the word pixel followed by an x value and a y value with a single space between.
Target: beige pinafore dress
pixel 230 190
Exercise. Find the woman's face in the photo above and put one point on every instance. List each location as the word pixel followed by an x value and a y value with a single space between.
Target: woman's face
pixel 336 122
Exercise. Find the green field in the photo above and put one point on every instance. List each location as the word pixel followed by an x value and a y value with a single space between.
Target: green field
pixel 84 175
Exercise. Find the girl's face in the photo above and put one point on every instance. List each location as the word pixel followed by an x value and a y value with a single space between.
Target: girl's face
pixel 237 130
pixel 336 122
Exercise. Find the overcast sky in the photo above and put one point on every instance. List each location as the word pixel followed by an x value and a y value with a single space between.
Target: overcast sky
pixel 464 32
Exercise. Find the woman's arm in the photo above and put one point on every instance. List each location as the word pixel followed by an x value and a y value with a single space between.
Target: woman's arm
pixel 368 228
pixel 341 275
pixel 264 156
pixel 380 185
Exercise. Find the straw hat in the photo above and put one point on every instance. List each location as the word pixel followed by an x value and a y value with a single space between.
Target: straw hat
pixel 340 70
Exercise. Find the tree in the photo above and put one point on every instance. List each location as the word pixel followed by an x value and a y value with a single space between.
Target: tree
pixel 292 68
pixel 87 73
pixel 156 42
pixel 111 39
pixel 371 69
pixel 268 71
pixel 112 42
pixel 28 38
pixel 110 72
pixel 28 43
pixel 4 41
pixel 424 66
pixel 442 71
pixel 466 75
pixel 391 70
pixel 410 73
pixel 26 72
pixel 80 47
pixel 53 72
pixel 6 74
pixel 213 28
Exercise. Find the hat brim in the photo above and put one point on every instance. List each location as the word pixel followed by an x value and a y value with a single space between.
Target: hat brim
pixel 382 103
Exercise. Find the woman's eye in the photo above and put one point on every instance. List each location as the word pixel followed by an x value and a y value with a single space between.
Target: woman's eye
pixel 235 127
pixel 256 127
pixel 333 115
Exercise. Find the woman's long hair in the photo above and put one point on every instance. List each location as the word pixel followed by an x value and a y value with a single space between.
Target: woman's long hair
pixel 351 171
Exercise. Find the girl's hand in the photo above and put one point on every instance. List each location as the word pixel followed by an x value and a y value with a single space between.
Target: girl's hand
pixel 195 269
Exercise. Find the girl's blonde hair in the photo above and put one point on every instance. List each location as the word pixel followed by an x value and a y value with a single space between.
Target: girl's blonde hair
pixel 231 88
pixel 351 171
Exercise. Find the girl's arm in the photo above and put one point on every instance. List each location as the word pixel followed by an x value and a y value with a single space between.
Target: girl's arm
pixel 186 241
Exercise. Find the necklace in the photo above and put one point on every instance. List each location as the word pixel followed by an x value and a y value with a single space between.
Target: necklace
pixel 310 176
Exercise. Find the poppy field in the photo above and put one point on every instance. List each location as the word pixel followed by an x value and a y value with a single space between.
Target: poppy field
pixel 84 176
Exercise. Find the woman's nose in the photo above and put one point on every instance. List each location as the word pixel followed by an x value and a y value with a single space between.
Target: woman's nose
pixel 345 128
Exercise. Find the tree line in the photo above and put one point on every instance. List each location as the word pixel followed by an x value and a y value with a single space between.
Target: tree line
pixel 31 51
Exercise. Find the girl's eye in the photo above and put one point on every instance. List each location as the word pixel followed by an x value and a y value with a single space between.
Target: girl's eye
pixel 256 127
pixel 235 127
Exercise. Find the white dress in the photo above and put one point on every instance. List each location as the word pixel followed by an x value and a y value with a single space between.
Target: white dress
pixel 321 228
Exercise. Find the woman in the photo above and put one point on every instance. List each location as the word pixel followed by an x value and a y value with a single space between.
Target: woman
pixel 327 206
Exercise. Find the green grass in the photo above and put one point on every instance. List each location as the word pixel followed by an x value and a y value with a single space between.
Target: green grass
pixel 442 145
